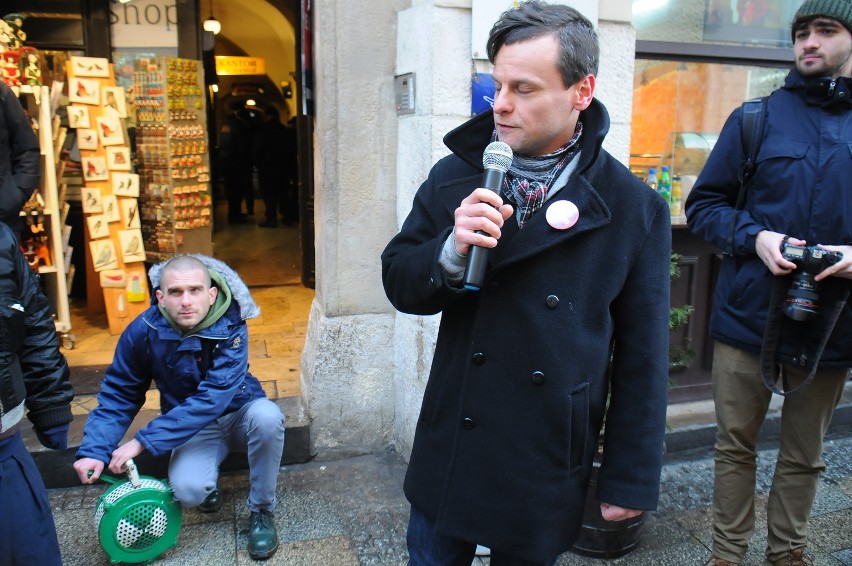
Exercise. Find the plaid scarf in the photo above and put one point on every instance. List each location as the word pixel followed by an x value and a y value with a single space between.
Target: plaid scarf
pixel 529 178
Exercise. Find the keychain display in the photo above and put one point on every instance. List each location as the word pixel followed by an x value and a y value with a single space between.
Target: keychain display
pixel 172 148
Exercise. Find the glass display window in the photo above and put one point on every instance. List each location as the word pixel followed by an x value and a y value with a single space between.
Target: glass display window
pixel 679 109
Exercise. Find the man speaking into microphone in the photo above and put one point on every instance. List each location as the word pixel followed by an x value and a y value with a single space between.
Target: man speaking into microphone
pixel 571 311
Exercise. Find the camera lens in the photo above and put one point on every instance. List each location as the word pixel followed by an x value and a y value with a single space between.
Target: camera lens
pixel 802 298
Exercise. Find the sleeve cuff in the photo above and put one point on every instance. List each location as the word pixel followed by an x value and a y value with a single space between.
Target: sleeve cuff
pixel 451 262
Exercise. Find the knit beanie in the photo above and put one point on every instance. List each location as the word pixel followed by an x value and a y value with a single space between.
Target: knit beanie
pixel 840 10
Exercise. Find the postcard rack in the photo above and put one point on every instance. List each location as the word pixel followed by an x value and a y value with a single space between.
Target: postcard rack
pixel 115 268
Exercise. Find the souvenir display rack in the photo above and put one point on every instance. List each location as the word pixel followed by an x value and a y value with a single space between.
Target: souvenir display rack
pixel 171 148
pixel 116 279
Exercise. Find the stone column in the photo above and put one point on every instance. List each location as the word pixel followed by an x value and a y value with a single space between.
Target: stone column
pixel 347 378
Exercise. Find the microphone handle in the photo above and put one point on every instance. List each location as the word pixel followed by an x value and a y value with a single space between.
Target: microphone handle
pixel 477 257
pixel 477 261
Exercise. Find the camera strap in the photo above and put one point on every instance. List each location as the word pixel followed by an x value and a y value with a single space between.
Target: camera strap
pixel 768 351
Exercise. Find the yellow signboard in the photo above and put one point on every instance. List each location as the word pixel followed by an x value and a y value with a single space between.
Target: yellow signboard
pixel 240 65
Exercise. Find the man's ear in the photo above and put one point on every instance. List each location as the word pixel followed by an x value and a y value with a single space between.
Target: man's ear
pixel 585 89
pixel 214 292
pixel 159 295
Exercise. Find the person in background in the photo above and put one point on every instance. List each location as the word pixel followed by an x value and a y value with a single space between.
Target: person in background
pixel 274 152
pixel 252 118
pixel 34 378
pixel 573 313
pixel 193 344
pixel 235 145
pixel 799 194
pixel 20 159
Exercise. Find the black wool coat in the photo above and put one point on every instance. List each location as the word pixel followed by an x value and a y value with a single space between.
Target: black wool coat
pixel 521 372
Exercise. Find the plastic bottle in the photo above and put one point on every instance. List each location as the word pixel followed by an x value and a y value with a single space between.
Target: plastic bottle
pixel 664 186
pixel 677 196
pixel 121 305
pixel 651 181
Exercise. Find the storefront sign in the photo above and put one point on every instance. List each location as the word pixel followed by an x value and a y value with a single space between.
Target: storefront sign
pixel 144 23
pixel 240 65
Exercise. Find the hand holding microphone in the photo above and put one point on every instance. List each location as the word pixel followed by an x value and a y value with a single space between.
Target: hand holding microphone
pixel 497 159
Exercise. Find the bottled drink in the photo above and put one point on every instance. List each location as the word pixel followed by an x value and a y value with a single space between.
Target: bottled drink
pixel 677 196
pixel 664 186
pixel 651 181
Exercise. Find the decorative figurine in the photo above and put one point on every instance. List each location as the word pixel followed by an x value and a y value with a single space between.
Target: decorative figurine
pixel 17 37
pixel 11 69
pixel 5 36
pixel 30 66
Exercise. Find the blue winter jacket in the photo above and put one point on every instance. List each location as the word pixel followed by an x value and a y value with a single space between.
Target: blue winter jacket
pixel 802 187
pixel 200 377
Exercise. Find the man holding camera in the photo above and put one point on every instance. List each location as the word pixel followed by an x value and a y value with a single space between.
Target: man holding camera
pixel 798 201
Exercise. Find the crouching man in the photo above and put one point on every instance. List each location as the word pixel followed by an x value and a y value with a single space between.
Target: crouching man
pixel 193 344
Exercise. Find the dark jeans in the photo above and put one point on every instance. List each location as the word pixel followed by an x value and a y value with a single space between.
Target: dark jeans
pixel 428 548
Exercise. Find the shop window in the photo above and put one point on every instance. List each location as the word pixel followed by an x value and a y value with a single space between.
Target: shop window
pixel 679 109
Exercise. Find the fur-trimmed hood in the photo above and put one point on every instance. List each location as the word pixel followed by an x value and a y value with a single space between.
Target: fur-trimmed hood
pixel 239 290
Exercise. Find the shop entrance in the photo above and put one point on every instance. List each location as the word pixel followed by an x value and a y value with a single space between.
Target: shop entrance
pixel 254 69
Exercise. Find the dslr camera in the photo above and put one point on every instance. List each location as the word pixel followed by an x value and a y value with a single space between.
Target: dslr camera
pixel 802 301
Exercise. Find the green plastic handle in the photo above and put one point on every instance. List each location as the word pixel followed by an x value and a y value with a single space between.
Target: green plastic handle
pixel 107 478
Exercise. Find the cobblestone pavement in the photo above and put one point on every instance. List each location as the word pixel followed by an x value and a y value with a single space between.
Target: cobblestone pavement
pixel 351 512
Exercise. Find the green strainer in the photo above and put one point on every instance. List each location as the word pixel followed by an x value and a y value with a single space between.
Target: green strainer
pixel 137 519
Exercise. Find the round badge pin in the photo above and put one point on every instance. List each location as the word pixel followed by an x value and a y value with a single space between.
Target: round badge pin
pixel 562 214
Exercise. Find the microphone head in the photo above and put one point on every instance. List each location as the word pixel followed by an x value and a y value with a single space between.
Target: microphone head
pixel 498 155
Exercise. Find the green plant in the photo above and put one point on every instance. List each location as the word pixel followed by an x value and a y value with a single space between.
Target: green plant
pixel 680 355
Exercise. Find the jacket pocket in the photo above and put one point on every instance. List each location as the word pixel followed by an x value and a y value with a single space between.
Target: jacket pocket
pixel 579 426
pixel 772 148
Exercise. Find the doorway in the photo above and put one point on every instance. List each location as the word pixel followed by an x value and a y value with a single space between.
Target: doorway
pixel 253 63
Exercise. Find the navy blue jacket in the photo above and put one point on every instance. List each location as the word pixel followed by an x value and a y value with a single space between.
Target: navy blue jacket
pixel 802 187
pixel 521 371
pixel 200 376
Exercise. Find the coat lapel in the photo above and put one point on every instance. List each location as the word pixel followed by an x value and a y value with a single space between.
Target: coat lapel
pixel 537 235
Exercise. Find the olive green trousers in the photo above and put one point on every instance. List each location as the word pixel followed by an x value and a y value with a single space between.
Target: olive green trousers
pixel 742 401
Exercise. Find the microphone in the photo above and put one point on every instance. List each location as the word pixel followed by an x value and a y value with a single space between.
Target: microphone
pixel 497 159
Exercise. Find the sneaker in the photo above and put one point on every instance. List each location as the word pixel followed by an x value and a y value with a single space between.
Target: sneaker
pixel 211 503
pixel 713 561
pixel 797 557
pixel 263 537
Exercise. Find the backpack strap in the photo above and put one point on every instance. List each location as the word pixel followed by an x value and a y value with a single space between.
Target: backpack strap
pixel 751 133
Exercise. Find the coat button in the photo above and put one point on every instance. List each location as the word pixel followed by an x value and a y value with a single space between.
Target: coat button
pixel 468 423
pixel 479 358
pixel 493 286
pixel 538 377
pixel 552 301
